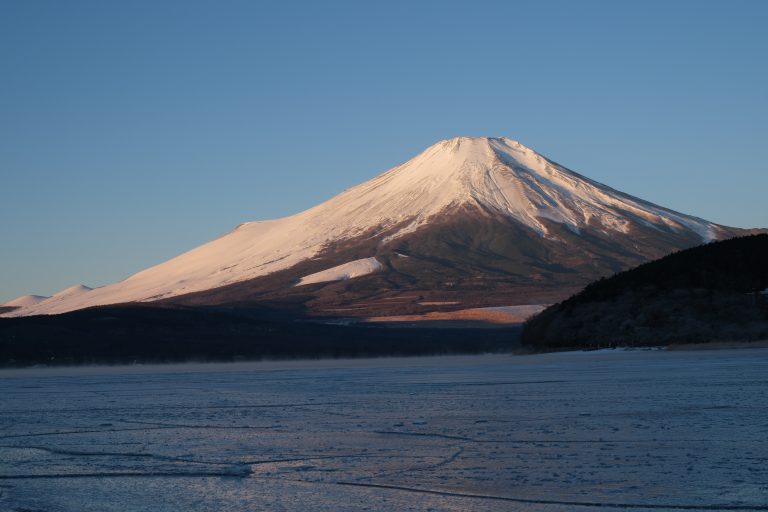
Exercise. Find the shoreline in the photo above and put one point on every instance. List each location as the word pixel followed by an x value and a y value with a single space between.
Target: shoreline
pixel 394 361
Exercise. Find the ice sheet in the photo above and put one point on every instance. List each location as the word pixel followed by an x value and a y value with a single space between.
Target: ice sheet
pixel 578 431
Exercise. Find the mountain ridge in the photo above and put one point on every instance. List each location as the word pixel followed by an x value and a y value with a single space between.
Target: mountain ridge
pixel 475 178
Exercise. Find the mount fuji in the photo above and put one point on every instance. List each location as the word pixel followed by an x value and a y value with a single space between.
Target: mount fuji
pixel 469 222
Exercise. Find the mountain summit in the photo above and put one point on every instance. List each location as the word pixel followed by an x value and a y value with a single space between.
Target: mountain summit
pixel 470 221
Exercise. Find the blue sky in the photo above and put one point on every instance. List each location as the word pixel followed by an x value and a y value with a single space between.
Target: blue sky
pixel 133 131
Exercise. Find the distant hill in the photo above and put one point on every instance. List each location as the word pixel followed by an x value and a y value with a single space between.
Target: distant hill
pixel 714 292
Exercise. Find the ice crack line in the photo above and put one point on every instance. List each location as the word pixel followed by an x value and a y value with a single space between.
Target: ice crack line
pixel 140 455
pixel 411 469
pixel 131 474
pixel 592 504
pixel 65 432
pixel 424 434
pixel 181 425
pixel 176 407
pixel 561 441
pixel 169 458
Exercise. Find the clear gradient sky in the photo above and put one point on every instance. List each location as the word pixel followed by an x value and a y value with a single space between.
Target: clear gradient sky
pixel 133 131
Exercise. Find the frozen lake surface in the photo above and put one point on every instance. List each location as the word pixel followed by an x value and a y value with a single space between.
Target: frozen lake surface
pixel 638 430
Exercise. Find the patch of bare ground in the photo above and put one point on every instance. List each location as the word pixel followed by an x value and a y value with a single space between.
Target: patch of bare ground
pixel 503 315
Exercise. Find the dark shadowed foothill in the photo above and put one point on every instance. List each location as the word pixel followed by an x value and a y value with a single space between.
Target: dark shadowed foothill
pixel 713 293
pixel 131 333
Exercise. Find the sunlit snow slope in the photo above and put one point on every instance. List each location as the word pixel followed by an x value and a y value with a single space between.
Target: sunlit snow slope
pixel 492 175
pixel 24 301
pixel 348 270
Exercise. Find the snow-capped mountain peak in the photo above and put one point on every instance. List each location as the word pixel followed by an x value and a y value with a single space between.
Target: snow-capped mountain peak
pixel 481 175
pixel 497 174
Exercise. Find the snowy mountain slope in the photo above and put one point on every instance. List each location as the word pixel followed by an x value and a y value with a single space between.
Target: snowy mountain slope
pixel 342 272
pixel 25 301
pixel 467 258
pixel 493 177
pixel 73 294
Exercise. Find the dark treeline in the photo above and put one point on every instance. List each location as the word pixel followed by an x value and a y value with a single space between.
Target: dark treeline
pixel 707 293
pixel 127 334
